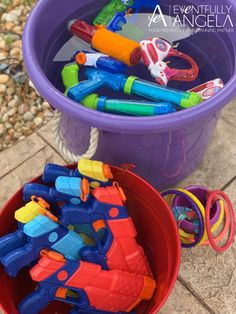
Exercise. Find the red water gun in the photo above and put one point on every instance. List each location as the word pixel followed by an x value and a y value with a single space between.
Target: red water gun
pixel 86 286
pixel 118 249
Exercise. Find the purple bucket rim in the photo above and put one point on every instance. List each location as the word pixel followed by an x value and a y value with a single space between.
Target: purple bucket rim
pixel 187 225
pixel 105 121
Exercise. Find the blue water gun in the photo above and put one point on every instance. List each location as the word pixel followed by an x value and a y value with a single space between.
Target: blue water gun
pixel 131 85
pixel 53 196
pixel 38 229
pixel 96 172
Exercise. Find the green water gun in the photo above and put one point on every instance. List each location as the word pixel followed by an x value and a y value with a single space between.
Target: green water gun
pixel 115 106
pixel 111 9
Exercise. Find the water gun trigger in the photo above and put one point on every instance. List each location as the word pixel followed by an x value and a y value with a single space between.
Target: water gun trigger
pixel 45 208
pixel 53 255
pixel 121 191
pixel 40 201
pixel 85 189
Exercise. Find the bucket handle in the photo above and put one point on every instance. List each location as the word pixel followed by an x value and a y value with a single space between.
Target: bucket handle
pixel 64 150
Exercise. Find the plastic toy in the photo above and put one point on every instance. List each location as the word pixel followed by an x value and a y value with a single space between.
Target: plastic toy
pixel 96 172
pixel 230 211
pixel 21 248
pixel 53 196
pixel 118 249
pixel 131 85
pixel 107 14
pixel 86 286
pixel 190 224
pixel 99 61
pixel 209 89
pixel 127 107
pixel 117 22
pixel 155 51
pixel 216 202
pixel 107 42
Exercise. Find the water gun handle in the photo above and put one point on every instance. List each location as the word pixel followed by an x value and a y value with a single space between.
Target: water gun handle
pixel 35 302
pixel 85 88
pixel 108 12
pixel 53 171
pixel 18 259
pixel 50 195
pixel 70 76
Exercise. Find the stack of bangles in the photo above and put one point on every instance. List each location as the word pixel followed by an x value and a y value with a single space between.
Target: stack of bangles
pixel 199 214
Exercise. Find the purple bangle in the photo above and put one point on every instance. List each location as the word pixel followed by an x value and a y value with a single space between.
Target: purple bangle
pixel 195 208
pixel 201 193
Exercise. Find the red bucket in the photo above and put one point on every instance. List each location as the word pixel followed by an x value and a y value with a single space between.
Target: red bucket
pixel 157 233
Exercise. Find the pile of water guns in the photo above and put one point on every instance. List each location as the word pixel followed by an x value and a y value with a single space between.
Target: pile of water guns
pixel 111 54
pixel 204 217
pixel 77 234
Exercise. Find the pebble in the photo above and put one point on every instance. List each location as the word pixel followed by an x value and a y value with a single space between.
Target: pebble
pixel 10 91
pixel 11 112
pixel 22 110
pixel 17 44
pixel 15 52
pixel 5 117
pixel 9 17
pixel 8 125
pixel 28 116
pixel 17 135
pixel 2 88
pixel 13 103
pixel 34 110
pixel 45 105
pixel 38 121
pixel 2 44
pixel 3 55
pixel 2 129
pixel 4 78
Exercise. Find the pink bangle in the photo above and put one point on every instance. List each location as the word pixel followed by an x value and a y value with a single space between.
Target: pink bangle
pixel 228 211
pixel 225 229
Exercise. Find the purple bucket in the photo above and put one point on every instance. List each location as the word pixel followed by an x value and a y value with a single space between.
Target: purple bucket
pixel 165 149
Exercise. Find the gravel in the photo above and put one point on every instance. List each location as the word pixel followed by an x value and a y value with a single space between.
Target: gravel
pixel 22 111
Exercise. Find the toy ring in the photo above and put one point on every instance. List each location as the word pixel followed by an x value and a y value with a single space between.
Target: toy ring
pixel 198 211
pixel 201 193
pixel 221 195
pixel 199 205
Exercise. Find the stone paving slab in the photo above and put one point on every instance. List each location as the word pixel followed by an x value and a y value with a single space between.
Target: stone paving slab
pixel 19 153
pixel 181 301
pixel 219 164
pixel 27 171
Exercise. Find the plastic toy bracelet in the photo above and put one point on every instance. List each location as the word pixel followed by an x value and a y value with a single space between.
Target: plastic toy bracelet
pixel 214 228
pixel 189 238
pixel 198 204
pixel 225 229
pixel 212 197
pixel 201 193
pixel 195 207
